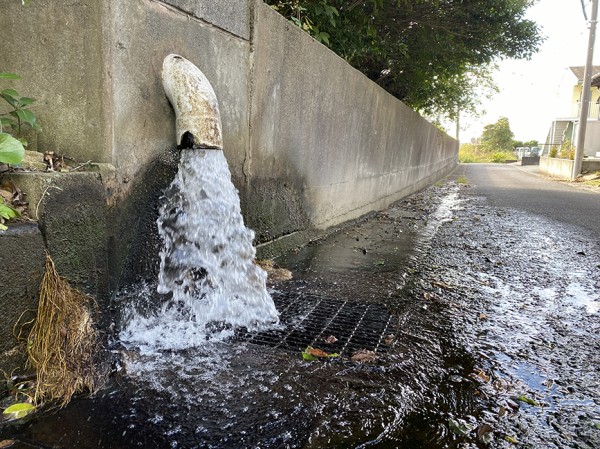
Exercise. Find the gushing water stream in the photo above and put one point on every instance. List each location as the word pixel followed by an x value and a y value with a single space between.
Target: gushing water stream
pixel 206 263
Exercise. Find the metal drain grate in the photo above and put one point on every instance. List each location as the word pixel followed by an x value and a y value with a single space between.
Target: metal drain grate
pixel 308 320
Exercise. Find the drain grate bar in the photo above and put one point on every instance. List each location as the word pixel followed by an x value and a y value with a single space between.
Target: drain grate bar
pixel 308 320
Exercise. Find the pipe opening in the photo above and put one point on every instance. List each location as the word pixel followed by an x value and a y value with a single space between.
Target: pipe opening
pixel 198 121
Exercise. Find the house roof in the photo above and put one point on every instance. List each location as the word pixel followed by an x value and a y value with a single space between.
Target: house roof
pixel 578 72
pixel 595 80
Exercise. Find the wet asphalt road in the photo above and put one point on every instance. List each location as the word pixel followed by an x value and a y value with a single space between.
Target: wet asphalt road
pixel 525 189
pixel 522 251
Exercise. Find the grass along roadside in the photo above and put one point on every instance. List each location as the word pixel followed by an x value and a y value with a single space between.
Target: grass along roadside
pixel 469 155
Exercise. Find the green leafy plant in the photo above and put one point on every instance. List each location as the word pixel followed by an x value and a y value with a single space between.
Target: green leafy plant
pixel 553 152
pixel 310 16
pixel 12 146
pixel 6 213
pixel 19 115
pixel 11 149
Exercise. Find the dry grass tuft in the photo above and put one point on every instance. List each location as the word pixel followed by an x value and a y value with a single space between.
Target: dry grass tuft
pixel 63 341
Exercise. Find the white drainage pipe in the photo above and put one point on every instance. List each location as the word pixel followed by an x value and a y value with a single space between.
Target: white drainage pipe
pixel 198 121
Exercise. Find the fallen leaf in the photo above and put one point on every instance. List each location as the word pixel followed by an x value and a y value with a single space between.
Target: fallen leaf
pixel 484 433
pixel 19 410
pixel 363 355
pixel 331 340
pixel 442 285
pixel 460 427
pixel 389 339
pixel 315 352
pixel 510 439
pixel 311 354
pixel 480 375
pixel 6 443
pixel 527 400
pixel 482 316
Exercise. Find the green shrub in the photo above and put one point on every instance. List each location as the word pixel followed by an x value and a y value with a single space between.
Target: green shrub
pixel 499 157
pixel 567 150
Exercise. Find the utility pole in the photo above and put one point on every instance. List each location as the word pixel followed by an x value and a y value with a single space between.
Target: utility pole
pixel 458 124
pixel 585 96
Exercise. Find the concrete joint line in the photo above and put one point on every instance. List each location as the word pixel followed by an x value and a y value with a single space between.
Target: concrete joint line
pixel 197 19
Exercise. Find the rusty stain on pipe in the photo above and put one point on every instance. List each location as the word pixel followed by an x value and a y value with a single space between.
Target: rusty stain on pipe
pixel 198 121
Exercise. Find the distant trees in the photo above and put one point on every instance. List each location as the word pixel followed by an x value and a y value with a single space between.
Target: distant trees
pixel 435 55
pixel 497 136
pixel 529 143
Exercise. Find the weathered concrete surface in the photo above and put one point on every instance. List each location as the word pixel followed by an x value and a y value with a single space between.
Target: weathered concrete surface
pixel 71 213
pixel 346 147
pixel 134 243
pixel 562 168
pixel 22 268
pixel 590 165
pixel 310 141
pixel 142 33
pixel 553 166
pixel 58 49
pixel 73 223
pixel 230 15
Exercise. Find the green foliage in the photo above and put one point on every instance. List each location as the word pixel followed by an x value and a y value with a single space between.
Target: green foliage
pixel 19 410
pixel 310 16
pixel 531 143
pixel 528 143
pixel 6 213
pixel 497 137
pixel 469 153
pixel 499 157
pixel 18 115
pixel 435 55
pixel 553 152
pixel 11 150
pixel 567 150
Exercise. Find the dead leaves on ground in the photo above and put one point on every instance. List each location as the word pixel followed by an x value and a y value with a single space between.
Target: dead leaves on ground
pixel 311 354
pixel 363 355
pixel 12 203
pixel 275 273
pixel 331 340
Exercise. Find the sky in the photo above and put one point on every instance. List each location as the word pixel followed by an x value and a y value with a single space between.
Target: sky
pixel 534 92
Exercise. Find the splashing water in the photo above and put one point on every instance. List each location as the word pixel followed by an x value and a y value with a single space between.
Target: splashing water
pixel 206 262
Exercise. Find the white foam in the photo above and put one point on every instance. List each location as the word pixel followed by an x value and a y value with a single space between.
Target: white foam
pixel 206 263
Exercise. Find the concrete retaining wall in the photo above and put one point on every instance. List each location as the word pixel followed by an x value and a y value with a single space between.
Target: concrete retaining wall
pixel 562 168
pixel 342 143
pixel 310 141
